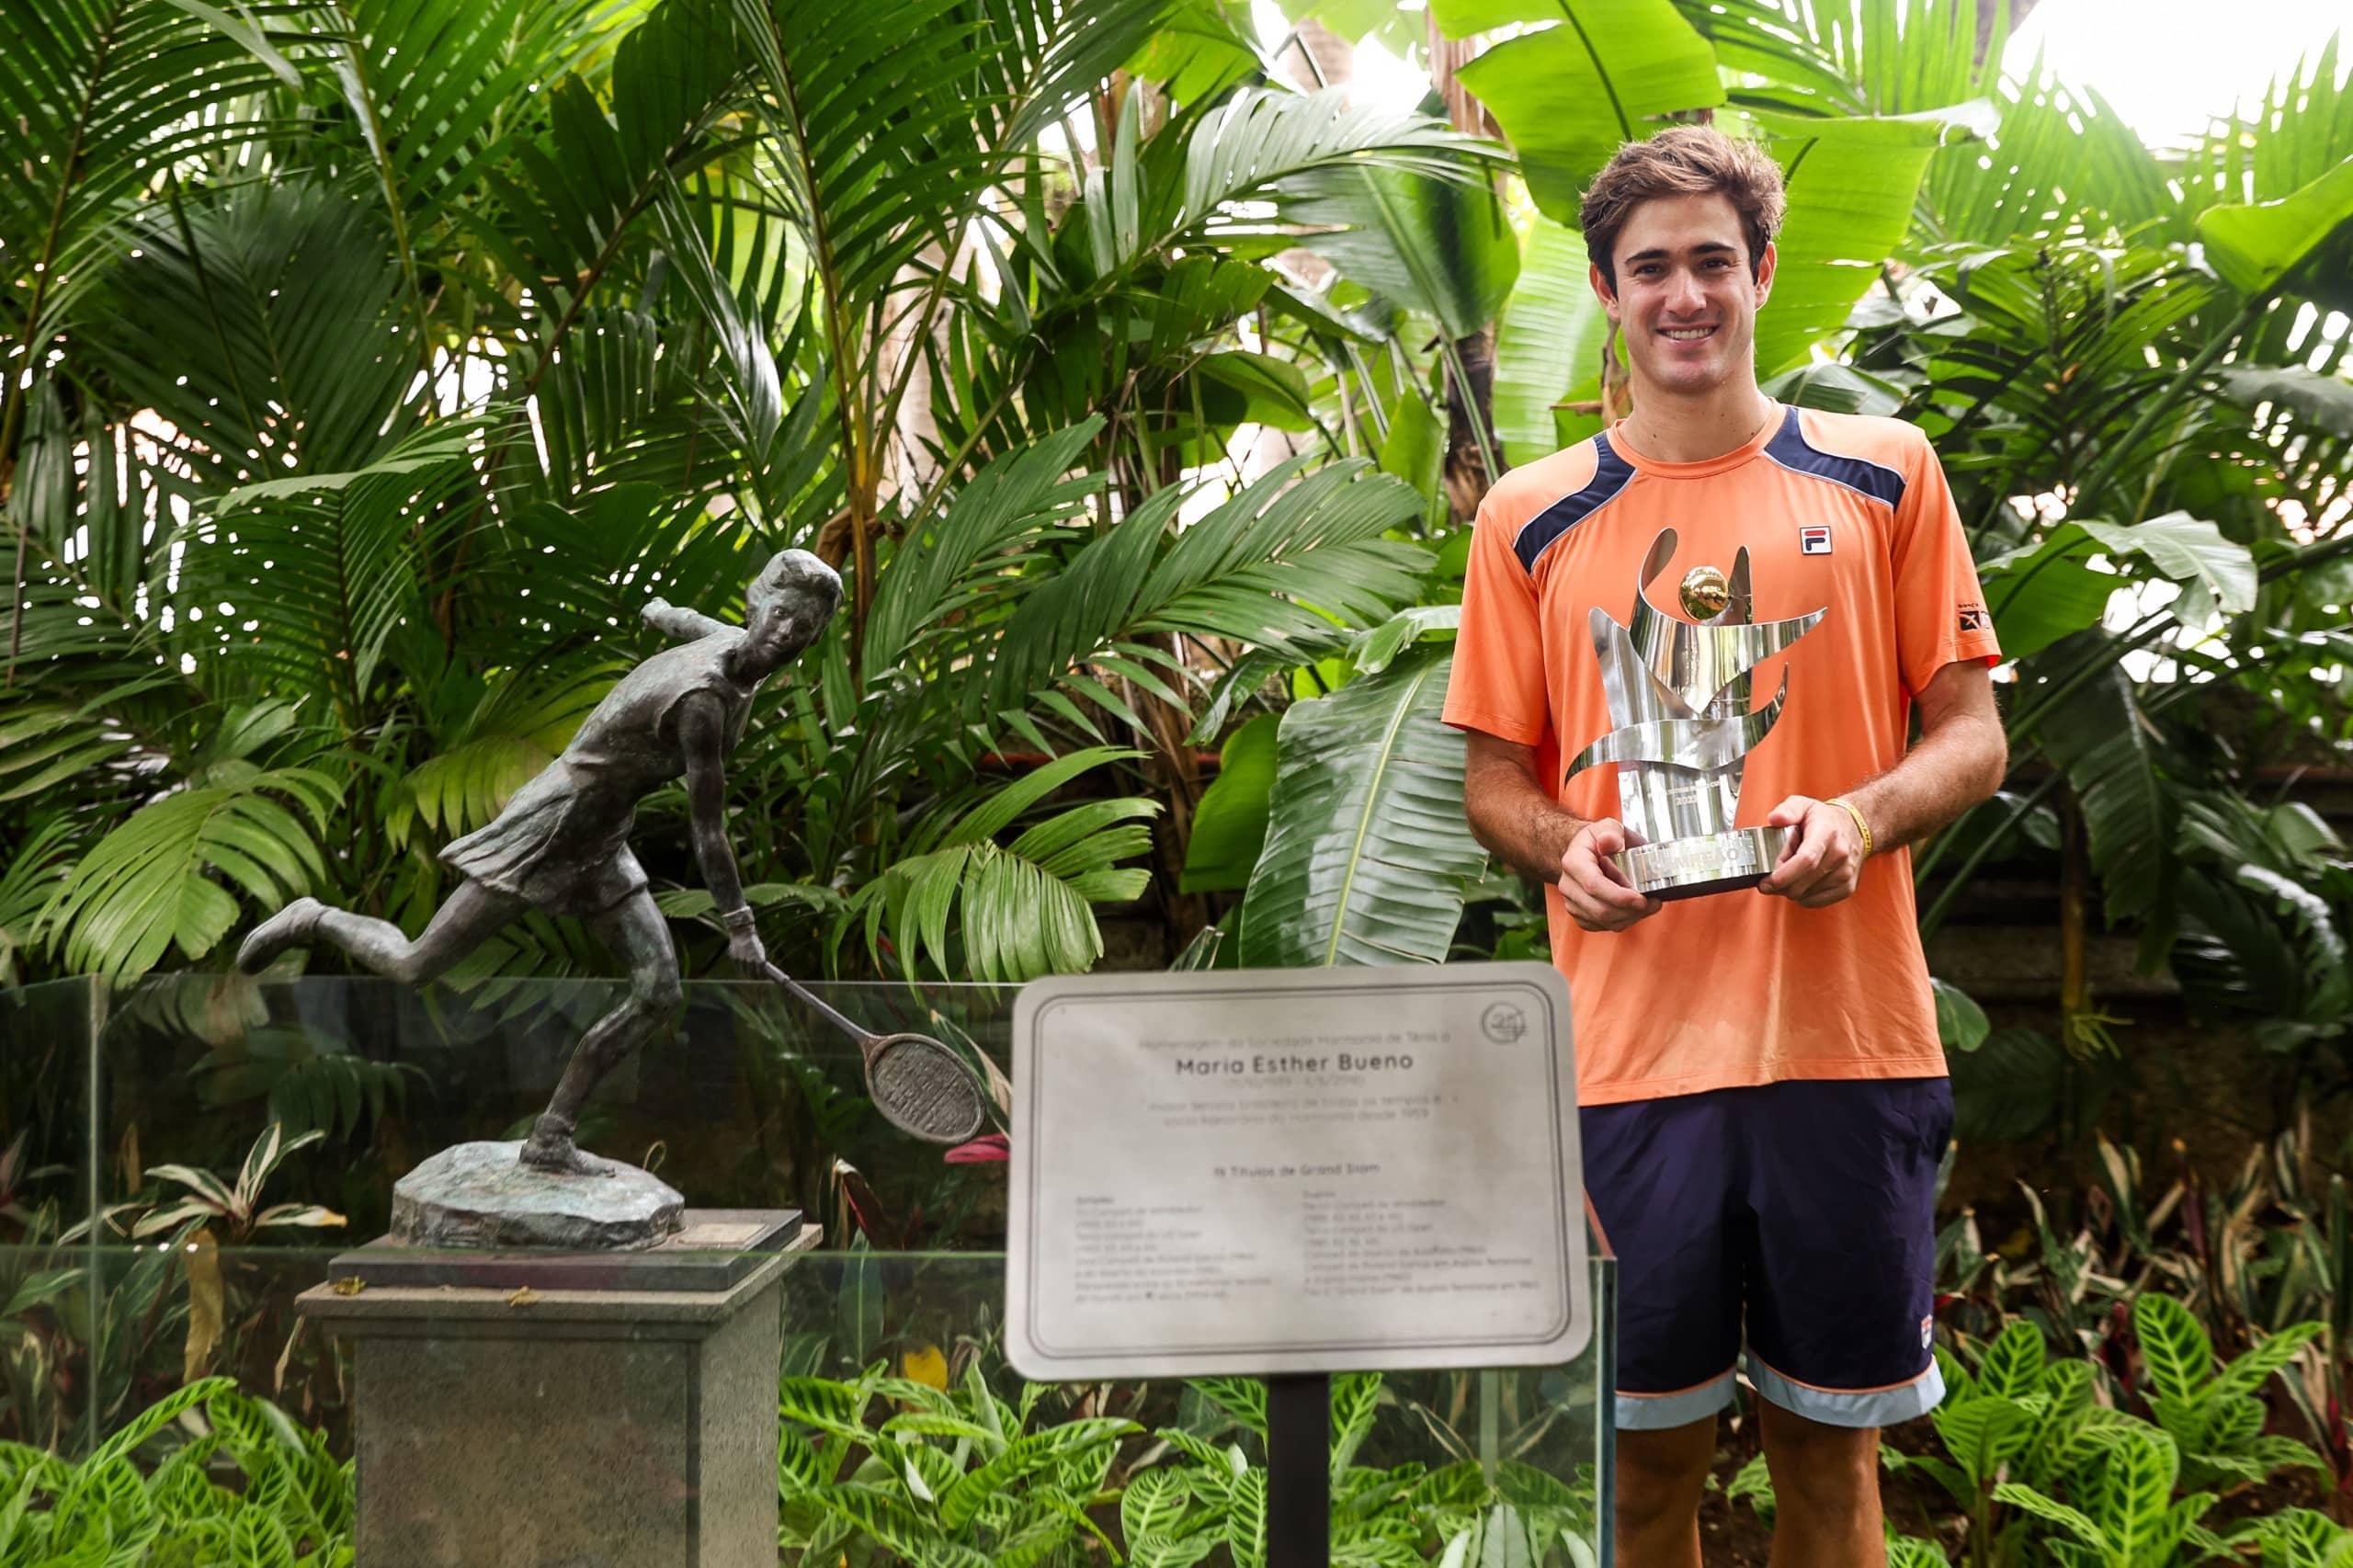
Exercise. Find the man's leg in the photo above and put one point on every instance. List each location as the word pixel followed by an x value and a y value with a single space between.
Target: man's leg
pixel 635 932
pixel 1825 1492
pixel 1841 1299
pixel 1659 1174
pixel 1661 1478
pixel 472 914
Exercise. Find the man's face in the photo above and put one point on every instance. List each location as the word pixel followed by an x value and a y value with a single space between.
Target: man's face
pixel 1685 297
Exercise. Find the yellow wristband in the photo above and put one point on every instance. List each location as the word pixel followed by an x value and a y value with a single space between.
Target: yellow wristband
pixel 1860 825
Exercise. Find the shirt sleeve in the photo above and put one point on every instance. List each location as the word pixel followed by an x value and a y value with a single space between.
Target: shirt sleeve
pixel 1497 684
pixel 1940 615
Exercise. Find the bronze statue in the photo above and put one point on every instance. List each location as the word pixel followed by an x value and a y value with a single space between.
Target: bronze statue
pixel 562 844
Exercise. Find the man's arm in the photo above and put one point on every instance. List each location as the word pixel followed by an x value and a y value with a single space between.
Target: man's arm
pixel 1959 760
pixel 1527 830
pixel 685 625
pixel 702 737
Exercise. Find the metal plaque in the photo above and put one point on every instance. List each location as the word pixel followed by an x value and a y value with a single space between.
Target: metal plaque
pixel 1277 1171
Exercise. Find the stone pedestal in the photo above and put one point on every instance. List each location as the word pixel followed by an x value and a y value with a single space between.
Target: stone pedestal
pixel 554 1411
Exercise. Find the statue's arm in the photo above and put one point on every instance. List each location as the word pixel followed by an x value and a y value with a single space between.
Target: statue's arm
pixel 702 731
pixel 685 625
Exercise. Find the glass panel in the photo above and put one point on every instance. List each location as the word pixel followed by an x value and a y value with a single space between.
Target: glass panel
pixel 751 1102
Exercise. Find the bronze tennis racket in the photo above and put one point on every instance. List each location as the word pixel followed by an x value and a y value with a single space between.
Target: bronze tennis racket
pixel 921 1087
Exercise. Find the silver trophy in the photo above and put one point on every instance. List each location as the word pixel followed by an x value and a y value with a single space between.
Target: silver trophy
pixel 1678 693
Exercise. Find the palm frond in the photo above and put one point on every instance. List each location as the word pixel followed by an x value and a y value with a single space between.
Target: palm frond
pixel 155 882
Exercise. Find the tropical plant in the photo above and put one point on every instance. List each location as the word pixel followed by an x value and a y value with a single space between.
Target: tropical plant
pixel 292 1506
pixel 951 1477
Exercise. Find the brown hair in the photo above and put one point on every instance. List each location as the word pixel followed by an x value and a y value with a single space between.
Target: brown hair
pixel 1684 160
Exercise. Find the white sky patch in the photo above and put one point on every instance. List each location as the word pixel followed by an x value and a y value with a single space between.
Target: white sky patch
pixel 2168 66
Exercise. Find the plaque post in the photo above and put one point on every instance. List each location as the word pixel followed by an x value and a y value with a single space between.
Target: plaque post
pixel 1299 1470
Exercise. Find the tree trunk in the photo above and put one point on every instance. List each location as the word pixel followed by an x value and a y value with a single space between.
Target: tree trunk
pixel 1466 476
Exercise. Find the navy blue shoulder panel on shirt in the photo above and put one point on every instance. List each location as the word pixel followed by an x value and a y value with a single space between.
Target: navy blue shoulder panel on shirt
pixel 1790 447
pixel 1609 476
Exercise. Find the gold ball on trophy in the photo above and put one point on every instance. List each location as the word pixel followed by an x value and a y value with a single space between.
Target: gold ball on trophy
pixel 1705 593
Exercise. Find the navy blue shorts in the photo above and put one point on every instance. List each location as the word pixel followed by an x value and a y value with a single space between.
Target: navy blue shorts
pixel 1794 1220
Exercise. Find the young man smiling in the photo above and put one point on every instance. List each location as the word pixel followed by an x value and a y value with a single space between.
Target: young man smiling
pixel 1764 1099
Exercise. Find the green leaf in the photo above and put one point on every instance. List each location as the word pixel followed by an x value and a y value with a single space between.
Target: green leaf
pixel 1440 246
pixel 2040 593
pixel 1027 1457
pixel 1229 824
pixel 1416 449
pixel 1841 389
pixel 2077 1523
pixel 1985 1434
pixel 2014 1362
pixel 2256 247
pixel 2321 401
pixel 1548 340
pixel 1851 184
pixel 1367 851
pixel 150 883
pixel 1274 390
pixel 1961 1022
pixel 1568 95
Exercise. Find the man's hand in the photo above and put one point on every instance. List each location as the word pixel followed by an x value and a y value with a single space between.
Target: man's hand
pixel 1824 858
pixel 1598 895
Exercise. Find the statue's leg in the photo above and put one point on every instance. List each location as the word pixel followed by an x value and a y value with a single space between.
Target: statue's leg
pixel 635 932
pixel 457 928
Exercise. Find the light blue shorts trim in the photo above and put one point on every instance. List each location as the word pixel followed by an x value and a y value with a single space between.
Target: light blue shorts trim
pixel 1875 1407
pixel 1662 1412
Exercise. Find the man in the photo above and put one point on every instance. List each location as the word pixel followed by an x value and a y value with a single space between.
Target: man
pixel 1764 1099
pixel 562 843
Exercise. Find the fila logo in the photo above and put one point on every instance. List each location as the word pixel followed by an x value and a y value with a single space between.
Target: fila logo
pixel 1927 1330
pixel 1813 542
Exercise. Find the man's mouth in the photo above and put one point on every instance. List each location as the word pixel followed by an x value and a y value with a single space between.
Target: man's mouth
pixel 1686 333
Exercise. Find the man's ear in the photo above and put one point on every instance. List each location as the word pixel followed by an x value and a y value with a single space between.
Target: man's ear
pixel 1765 274
pixel 1601 289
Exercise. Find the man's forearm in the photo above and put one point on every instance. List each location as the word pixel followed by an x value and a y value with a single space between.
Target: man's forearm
pixel 1950 769
pixel 1511 813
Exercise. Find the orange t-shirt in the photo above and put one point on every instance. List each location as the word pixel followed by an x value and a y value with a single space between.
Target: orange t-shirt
pixel 1837 511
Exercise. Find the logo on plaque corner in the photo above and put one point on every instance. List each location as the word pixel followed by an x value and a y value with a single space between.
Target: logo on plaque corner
pixel 1503 1022
pixel 1813 541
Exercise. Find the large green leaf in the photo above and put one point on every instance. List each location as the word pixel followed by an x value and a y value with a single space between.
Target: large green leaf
pixel 1548 340
pixel 2323 401
pixel 2112 756
pixel 1229 824
pixel 1440 246
pixel 2256 247
pixel 1601 73
pixel 1367 850
pixel 2038 593
pixel 1851 184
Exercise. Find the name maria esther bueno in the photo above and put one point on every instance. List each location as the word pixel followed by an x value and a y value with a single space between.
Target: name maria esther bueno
pixel 1262 1066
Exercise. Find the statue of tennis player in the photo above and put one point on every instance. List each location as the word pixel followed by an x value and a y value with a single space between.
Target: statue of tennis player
pixel 562 845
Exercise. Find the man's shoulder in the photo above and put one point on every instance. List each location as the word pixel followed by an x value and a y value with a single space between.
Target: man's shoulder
pixel 1532 486
pixel 1874 437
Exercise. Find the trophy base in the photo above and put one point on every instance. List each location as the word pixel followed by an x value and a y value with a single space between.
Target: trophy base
pixel 1719 862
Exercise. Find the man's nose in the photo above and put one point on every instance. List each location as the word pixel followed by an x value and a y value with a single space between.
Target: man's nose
pixel 1683 293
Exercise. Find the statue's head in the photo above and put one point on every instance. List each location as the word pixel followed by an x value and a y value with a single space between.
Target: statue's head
pixel 787 606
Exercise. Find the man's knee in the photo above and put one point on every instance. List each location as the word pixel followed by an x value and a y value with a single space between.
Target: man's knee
pixel 1829 1466
pixel 1661 1475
